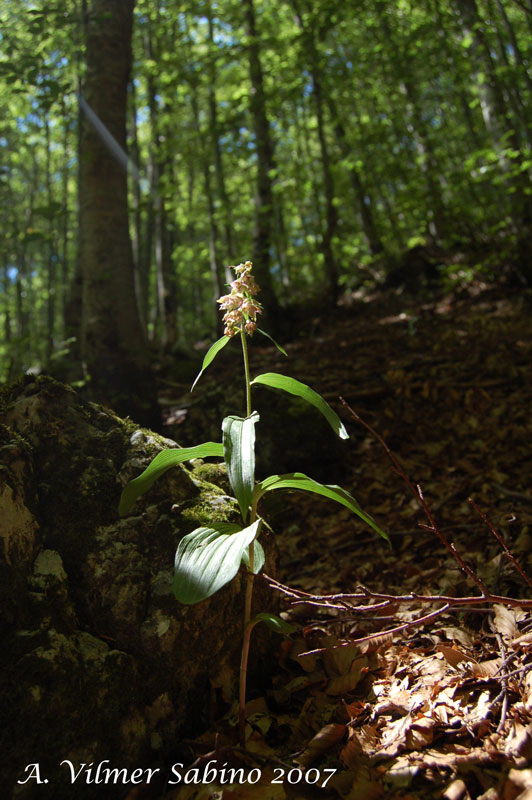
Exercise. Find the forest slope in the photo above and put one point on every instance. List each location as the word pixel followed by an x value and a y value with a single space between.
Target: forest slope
pixel 443 706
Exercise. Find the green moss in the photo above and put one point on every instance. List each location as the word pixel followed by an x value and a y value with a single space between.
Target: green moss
pixel 212 473
pixel 211 505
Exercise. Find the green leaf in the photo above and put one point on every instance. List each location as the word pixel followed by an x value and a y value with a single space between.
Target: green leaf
pixel 159 465
pixel 274 622
pixel 297 480
pixel 290 385
pixel 278 346
pixel 258 557
pixel 208 558
pixel 239 456
pixel 211 354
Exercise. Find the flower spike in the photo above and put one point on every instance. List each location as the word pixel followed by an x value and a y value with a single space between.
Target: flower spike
pixel 240 306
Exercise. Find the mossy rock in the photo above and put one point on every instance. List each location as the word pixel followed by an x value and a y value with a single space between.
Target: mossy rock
pixel 99 660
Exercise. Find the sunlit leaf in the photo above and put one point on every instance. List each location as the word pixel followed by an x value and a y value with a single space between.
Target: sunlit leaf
pixel 297 480
pixel 275 381
pixel 239 455
pixel 159 465
pixel 211 354
pixel 258 557
pixel 208 558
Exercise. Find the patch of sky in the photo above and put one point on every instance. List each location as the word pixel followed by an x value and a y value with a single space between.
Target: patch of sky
pixel 143 114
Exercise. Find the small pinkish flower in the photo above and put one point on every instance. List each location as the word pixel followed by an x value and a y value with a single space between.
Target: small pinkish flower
pixel 229 302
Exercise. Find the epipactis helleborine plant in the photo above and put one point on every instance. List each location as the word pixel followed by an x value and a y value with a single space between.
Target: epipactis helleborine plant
pixel 210 557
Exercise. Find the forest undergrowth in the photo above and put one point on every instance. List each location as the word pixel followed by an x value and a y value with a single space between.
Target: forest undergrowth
pixel 411 672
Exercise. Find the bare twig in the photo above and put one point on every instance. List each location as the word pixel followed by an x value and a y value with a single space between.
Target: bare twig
pixel 504 682
pixel 300 597
pixel 390 632
pixel 509 555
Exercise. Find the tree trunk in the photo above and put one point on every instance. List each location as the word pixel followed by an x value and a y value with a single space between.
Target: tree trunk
pixel 217 271
pixel 140 255
pixel 419 130
pixel 331 211
pixel 262 236
pixel 51 246
pixel 227 216
pixel 112 339
pixel 362 194
pixel 520 179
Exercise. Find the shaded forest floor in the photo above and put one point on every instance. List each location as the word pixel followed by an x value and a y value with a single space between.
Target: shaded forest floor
pixel 435 709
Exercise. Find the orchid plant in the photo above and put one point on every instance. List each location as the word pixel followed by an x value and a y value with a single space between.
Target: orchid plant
pixel 210 557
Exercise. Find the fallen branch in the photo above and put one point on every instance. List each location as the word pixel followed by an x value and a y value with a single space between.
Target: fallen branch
pixel 343 601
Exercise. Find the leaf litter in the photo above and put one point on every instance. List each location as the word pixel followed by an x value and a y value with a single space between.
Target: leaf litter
pixel 403 696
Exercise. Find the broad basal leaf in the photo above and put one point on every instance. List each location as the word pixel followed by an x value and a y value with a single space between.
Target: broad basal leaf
pixel 239 455
pixel 208 558
pixel 159 465
pixel 290 385
pixel 297 480
pixel 211 354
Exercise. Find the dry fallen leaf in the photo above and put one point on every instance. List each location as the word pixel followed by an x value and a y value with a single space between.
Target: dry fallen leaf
pixel 505 622
pixel 327 737
pixel 420 734
pixel 457 790
pixel 518 785
pixel 454 656
pixel 486 669
pixel 346 683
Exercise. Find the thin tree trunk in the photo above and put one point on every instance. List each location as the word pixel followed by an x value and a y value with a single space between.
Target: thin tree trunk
pixel 6 301
pixel 217 272
pixel 65 222
pixel 438 221
pixel 73 289
pixel 141 258
pixel 511 86
pixel 51 249
pixel 521 180
pixel 362 195
pixel 166 299
pixel 515 46
pixel 217 150
pixel 331 211
pixel 262 237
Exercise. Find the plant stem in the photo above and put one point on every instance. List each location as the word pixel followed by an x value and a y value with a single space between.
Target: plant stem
pixel 246 371
pixel 249 578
